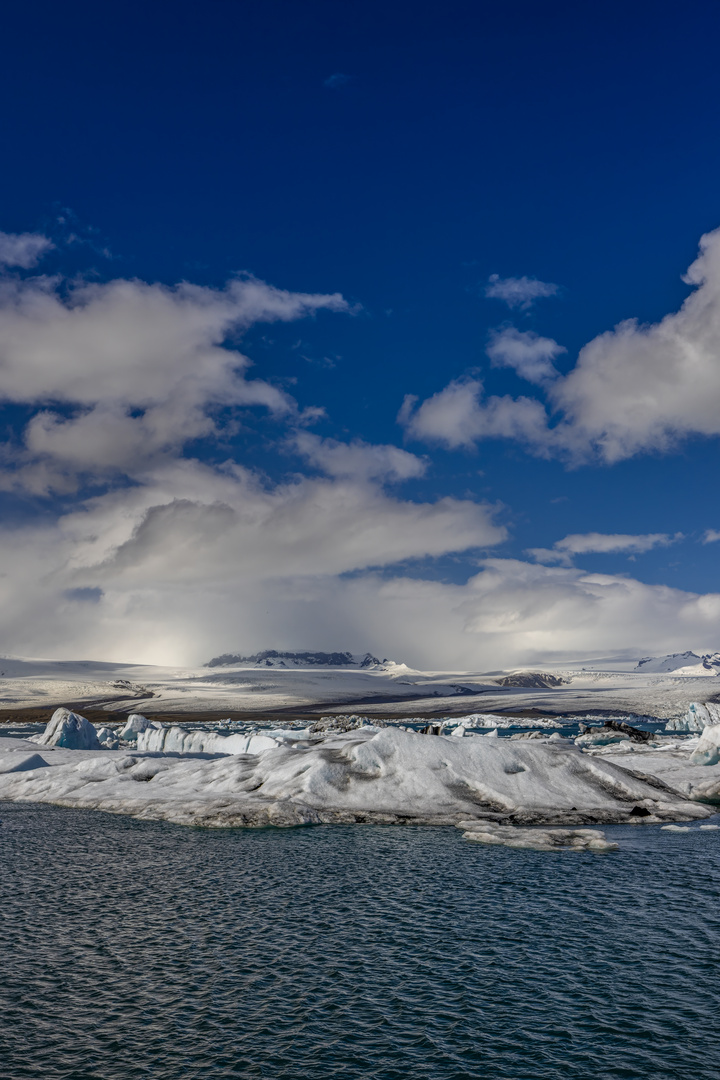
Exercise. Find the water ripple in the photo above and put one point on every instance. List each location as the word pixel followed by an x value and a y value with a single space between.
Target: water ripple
pixel 136 949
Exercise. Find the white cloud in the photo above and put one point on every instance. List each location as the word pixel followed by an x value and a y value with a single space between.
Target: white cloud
pixel 635 389
pixel 23 249
pixel 529 354
pixel 188 560
pixel 519 292
pixel 458 417
pixel 129 371
pixel 191 555
pixel 161 601
pixel 711 536
pixel 174 553
pixel 602 543
pixel 358 459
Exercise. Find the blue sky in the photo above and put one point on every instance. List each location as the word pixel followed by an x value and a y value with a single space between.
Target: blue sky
pixel 398 155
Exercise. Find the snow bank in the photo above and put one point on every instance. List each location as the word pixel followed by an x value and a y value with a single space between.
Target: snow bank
pixel 539 839
pixel 177 740
pixel 389 776
pixel 697 718
pixel 70 730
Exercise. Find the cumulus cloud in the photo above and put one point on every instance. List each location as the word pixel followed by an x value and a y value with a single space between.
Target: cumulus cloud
pixel 23 250
pixel 711 536
pixel 530 355
pixel 125 372
pixel 118 378
pixel 635 389
pixel 357 459
pixel 602 543
pixel 520 292
pixel 191 555
pixel 174 559
pixel 459 417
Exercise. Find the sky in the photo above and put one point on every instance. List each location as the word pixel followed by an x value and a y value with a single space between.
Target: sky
pixel 383 326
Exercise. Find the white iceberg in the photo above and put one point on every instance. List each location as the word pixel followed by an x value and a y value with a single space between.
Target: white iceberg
pixel 386 777
pixel 707 751
pixel 538 839
pixel 135 724
pixel 697 718
pixel 69 730
pixel 107 738
pixel 177 740
pixel 601 738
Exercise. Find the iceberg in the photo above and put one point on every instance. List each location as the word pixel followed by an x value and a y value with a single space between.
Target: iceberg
pixel 707 751
pixel 390 776
pixel 697 718
pixel 601 738
pixel 134 725
pixel 107 738
pixel 539 839
pixel 176 740
pixel 69 730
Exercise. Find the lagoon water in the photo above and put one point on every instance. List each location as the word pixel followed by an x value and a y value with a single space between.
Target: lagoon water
pixel 144 950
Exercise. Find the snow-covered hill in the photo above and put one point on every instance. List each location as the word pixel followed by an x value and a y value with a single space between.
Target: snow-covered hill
pixel 687 663
pixel 272 658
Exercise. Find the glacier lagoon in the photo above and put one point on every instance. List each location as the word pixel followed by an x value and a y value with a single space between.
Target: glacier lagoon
pixel 144 949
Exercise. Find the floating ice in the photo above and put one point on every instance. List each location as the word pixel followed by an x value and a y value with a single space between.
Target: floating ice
pixel 107 738
pixel 537 839
pixel 177 740
pixel 135 724
pixel 70 730
pixel 389 777
pixel 698 717
pixel 601 738
pixel 707 751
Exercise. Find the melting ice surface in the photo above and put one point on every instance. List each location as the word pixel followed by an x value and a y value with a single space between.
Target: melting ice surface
pixel 135 949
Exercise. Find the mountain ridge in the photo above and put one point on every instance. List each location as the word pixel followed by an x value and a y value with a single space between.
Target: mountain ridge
pixel 276 658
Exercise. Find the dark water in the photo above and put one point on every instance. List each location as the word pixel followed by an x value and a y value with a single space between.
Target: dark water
pixel 132 949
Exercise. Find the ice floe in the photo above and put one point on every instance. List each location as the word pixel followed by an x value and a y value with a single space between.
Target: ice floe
pixel 539 839
pixel 385 776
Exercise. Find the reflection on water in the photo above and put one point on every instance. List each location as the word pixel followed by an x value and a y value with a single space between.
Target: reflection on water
pixel 145 950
